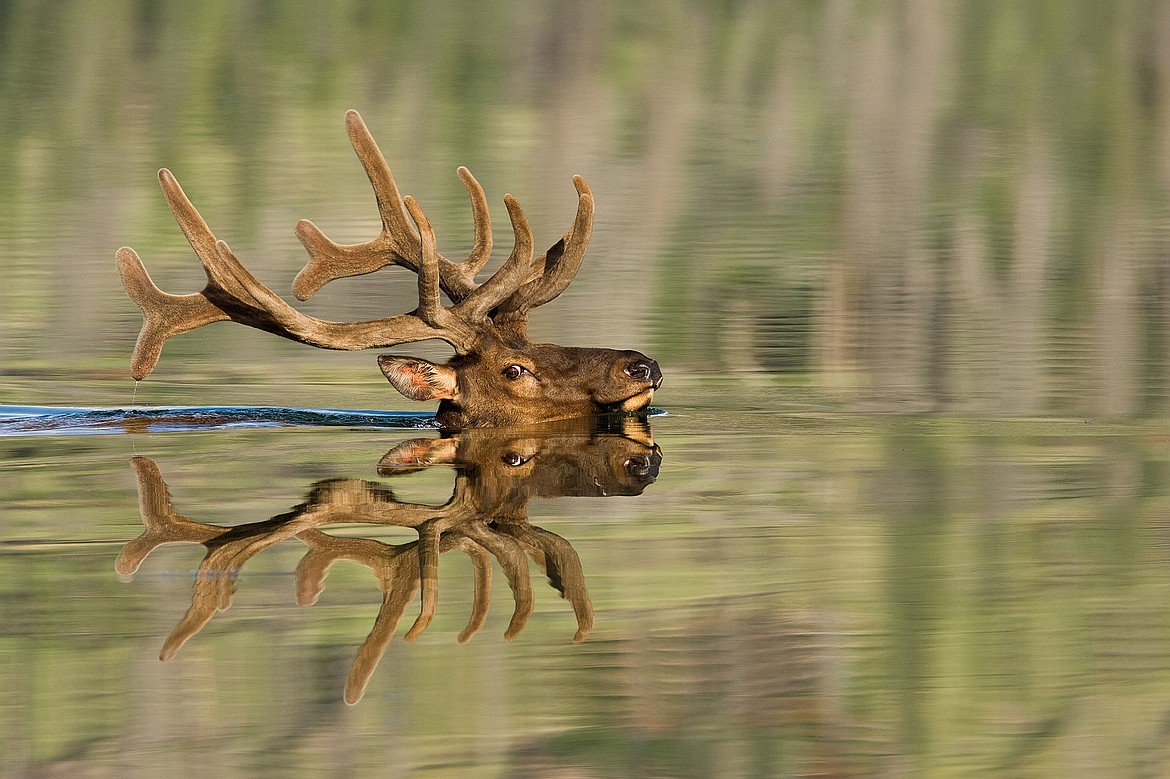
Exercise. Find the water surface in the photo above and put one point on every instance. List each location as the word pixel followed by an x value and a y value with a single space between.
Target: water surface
pixel 791 593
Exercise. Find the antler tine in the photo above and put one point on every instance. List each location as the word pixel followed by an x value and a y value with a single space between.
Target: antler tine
pixel 560 263
pixel 165 315
pixel 430 308
pixel 455 329
pixel 510 554
pixel 562 565
pixel 161 523
pixel 397 594
pixel 324 550
pixel 481 594
pixel 429 535
pixel 481 250
pixel 399 581
pixel 510 276
pixel 397 243
pixel 208 598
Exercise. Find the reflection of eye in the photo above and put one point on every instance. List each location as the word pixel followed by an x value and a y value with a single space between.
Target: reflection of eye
pixel 513 372
pixel 514 459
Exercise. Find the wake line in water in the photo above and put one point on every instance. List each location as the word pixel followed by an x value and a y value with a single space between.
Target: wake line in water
pixel 49 420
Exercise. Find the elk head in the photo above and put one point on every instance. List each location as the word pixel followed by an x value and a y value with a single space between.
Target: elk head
pixel 497 376
pixel 598 457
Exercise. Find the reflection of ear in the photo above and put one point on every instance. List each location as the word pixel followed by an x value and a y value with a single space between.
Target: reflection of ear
pixel 416 454
pixel 418 379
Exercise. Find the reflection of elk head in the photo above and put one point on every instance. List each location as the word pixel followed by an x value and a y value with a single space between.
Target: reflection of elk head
pixel 497 472
pixel 596 457
pixel 497 377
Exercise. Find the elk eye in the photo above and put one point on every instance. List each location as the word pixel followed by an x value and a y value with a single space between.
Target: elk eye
pixel 514 459
pixel 513 372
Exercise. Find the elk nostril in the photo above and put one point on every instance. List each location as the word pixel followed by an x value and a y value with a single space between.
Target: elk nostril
pixel 643 466
pixel 643 370
pixel 639 465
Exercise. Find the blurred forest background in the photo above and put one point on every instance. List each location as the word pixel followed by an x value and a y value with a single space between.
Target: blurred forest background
pixel 903 205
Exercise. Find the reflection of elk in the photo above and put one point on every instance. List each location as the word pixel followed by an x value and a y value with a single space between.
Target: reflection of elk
pixel 497 376
pixel 497 473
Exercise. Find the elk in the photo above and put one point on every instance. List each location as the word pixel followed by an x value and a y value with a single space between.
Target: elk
pixel 496 377
pixel 498 472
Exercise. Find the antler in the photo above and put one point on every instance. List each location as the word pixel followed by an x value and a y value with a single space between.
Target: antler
pixel 560 563
pixel 233 293
pixel 399 575
pixel 401 569
pixel 397 243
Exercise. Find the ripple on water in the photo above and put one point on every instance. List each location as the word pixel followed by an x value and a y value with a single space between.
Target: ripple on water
pixel 44 420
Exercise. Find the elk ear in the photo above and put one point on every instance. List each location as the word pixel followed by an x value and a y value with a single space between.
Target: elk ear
pixel 418 379
pixel 417 454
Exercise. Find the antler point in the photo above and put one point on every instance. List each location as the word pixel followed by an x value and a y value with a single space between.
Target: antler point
pixel 355 124
pixel 581 186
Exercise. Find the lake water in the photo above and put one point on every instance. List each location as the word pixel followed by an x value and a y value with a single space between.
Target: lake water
pixel 905 510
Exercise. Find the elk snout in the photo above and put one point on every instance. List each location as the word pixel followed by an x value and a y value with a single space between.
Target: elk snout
pixel 645 369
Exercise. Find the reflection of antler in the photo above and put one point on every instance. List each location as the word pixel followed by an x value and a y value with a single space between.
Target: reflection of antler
pixel 228 549
pixel 163 525
pixel 397 571
pixel 560 563
pixel 331 502
pixel 485 517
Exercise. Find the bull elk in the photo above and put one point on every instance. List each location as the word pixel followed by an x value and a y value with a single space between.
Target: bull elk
pixel 497 376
